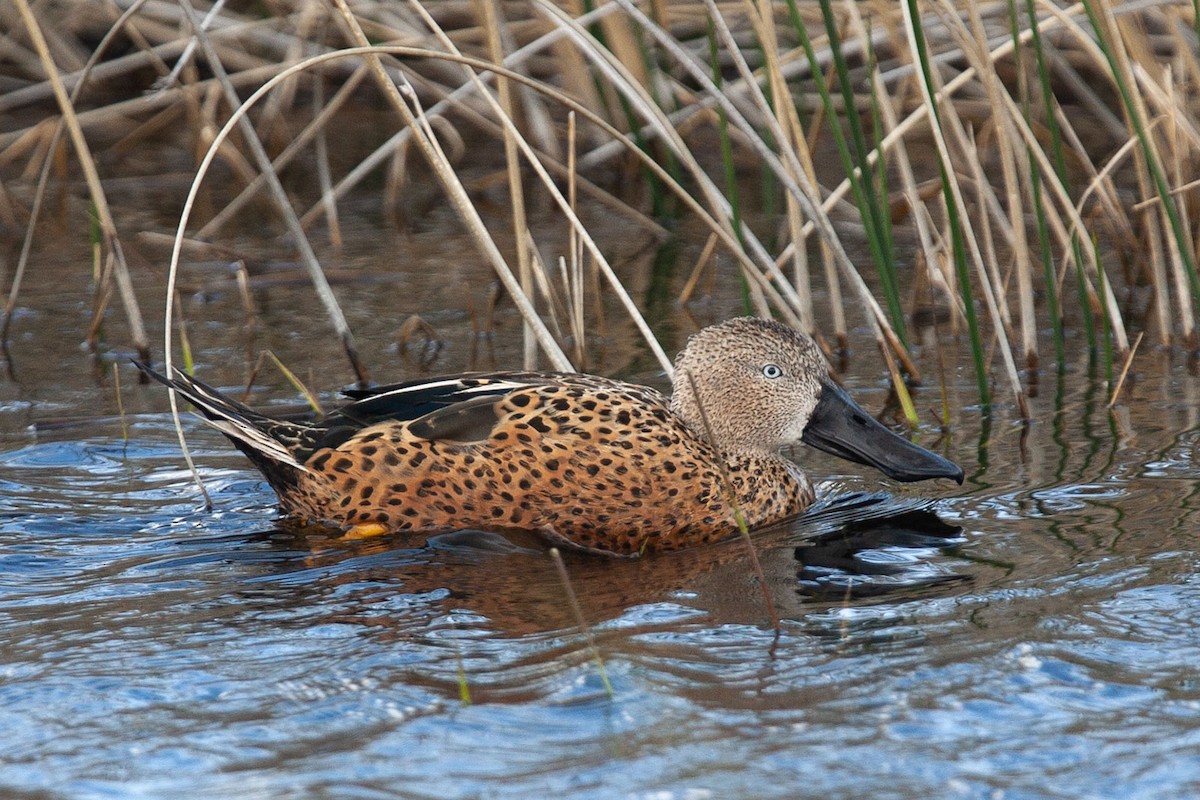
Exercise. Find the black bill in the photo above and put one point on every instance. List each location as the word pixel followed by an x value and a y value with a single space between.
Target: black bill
pixel 839 426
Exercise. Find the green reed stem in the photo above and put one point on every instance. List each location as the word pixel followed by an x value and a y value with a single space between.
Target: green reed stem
pixel 873 211
pixel 768 184
pixel 185 343
pixel 1085 305
pixel 1182 242
pixel 658 193
pixel 1042 225
pixel 1059 160
pixel 296 383
pixel 963 273
pixel 731 187
pixel 94 234
pixel 879 187
pixel 1043 232
pixel 1106 319
pixel 959 248
pixel 664 206
pixel 120 403
pixel 863 188
pixel 464 689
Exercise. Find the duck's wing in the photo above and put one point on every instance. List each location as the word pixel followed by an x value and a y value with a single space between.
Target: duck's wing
pixel 459 408
pixel 413 399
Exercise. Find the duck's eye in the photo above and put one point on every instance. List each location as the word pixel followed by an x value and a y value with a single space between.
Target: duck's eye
pixel 772 371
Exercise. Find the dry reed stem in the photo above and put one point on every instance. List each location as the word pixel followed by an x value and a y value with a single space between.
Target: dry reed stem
pixel 455 100
pixel 185 58
pixel 714 196
pixel 44 177
pixel 541 277
pixel 961 32
pixel 919 114
pixel 1107 193
pixel 102 278
pixel 593 249
pixel 1167 105
pixel 174 45
pixel 1158 278
pixel 925 233
pixel 580 620
pixel 574 286
pixel 311 133
pixel 430 149
pixel 100 201
pixel 172 399
pixel 738 517
pixel 1084 39
pixel 1116 392
pixel 1008 141
pixel 791 66
pixel 898 131
pixel 1177 127
pixel 788 124
pixel 423 53
pixel 400 138
pixel 885 336
pixel 1119 48
pixel 928 90
pixel 307 255
pixel 491 15
pixel 706 254
pixel 118 113
pixel 772 284
pixel 1179 170
pixel 795 175
pixel 1050 179
pixel 283 101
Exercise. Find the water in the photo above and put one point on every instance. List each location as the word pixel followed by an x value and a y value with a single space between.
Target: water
pixel 1035 636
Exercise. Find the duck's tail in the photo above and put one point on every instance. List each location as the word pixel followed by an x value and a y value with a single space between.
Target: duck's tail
pixel 270 443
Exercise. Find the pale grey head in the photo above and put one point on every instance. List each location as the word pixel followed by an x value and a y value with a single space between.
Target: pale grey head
pixel 757 381
pixel 762 386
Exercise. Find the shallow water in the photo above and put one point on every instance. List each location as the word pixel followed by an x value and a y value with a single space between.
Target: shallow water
pixel 1040 640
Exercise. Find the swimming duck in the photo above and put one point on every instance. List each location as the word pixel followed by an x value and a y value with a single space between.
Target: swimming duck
pixel 597 463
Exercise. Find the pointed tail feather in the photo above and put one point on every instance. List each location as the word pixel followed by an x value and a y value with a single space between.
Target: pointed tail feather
pixel 255 434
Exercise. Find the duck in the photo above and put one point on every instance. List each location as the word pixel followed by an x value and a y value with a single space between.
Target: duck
pixel 586 461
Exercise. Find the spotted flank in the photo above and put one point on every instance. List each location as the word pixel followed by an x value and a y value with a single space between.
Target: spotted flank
pixel 593 462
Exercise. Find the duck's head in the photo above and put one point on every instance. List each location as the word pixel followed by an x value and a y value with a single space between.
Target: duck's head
pixel 761 385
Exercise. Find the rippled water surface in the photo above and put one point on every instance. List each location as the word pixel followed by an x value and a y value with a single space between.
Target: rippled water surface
pixel 1031 634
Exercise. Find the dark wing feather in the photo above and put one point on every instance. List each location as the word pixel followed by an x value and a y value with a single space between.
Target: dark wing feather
pixel 458 408
pixel 414 399
pixel 468 421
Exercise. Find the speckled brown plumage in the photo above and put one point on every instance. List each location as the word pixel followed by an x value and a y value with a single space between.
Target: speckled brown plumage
pixel 598 463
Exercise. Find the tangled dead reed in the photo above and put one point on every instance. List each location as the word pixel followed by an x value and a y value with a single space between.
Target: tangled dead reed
pixel 1008 167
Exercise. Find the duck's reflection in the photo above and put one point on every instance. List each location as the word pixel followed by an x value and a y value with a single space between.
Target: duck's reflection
pixel 880 557
pixel 847 548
